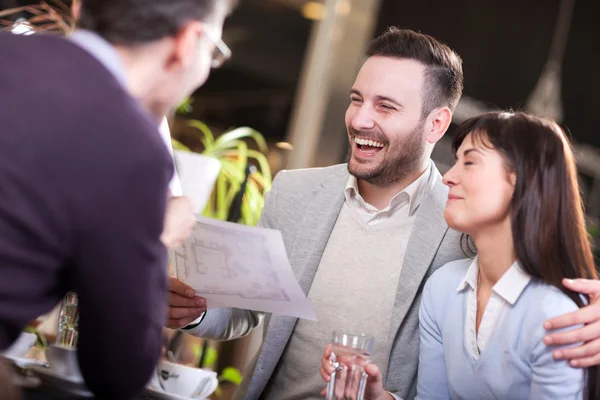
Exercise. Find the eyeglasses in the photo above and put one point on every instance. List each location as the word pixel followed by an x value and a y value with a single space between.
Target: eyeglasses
pixel 221 53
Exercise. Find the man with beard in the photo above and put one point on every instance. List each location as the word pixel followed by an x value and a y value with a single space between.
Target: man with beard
pixel 361 237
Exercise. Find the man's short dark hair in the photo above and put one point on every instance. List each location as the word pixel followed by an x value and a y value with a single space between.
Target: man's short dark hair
pixel 443 74
pixel 140 21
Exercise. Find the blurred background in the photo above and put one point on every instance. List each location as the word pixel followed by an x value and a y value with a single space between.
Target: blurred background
pixel 294 62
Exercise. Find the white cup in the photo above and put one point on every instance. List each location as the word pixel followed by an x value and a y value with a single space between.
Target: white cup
pixel 21 346
pixel 186 381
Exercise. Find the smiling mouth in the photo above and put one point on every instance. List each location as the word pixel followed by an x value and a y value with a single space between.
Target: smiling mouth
pixel 368 146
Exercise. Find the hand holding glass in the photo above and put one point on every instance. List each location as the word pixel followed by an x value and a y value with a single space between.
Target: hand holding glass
pixel 350 353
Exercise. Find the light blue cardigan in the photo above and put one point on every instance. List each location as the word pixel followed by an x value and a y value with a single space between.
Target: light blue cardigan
pixel 516 364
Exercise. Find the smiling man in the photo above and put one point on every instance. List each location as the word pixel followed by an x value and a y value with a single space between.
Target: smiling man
pixel 390 145
pixel 362 237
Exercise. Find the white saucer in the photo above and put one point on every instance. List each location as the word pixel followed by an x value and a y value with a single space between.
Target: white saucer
pixel 69 384
pixel 159 394
pixel 25 362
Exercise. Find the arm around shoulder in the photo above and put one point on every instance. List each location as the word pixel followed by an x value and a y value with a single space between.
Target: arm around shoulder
pixel 554 379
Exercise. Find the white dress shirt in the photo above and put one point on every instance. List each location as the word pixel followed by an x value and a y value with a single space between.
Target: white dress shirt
pixel 407 201
pixel 504 294
pixel 165 134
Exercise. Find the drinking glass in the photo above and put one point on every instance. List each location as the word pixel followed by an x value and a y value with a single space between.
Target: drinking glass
pixel 68 321
pixel 350 353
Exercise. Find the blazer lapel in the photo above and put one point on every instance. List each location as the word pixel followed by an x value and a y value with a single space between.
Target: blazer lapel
pixel 314 231
pixel 426 236
pixel 316 228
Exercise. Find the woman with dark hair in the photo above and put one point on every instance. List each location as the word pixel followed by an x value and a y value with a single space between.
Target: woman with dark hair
pixel 514 194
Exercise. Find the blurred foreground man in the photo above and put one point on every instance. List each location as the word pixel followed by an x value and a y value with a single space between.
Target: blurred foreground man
pixel 84 175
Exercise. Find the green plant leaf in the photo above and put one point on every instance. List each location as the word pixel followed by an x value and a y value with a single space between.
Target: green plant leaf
pixel 186 106
pixel 228 149
pixel 230 374
pixel 265 169
pixel 242 155
pixel 210 358
pixel 41 340
pixel 254 200
pixel 231 149
pixel 243 132
pixel 233 189
pixel 177 145
pixel 221 203
pixel 197 351
pixel 208 139
pixel 209 209
pixel 259 179
pixel 232 170
pixel 246 216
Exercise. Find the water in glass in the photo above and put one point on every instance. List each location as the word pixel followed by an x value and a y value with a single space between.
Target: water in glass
pixel 350 354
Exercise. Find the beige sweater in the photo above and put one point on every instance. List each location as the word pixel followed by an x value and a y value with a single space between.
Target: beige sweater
pixel 353 291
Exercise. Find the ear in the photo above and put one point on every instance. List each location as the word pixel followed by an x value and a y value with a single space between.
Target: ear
pixel 437 124
pixel 184 44
pixel 512 178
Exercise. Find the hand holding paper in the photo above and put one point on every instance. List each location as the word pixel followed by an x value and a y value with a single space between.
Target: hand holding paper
pixel 233 265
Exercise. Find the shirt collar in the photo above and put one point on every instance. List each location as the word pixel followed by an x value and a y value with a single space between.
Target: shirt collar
pixel 103 51
pixel 414 192
pixel 470 278
pixel 509 287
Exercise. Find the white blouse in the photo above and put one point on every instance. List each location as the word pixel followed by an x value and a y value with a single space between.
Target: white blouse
pixel 504 294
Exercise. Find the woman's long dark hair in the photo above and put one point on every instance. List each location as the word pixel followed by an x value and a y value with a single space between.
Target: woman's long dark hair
pixel 548 220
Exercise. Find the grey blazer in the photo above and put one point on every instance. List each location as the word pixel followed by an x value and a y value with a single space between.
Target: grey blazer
pixel 304 206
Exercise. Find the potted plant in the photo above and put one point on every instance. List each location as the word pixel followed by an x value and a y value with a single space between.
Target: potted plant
pixel 245 176
pixel 238 196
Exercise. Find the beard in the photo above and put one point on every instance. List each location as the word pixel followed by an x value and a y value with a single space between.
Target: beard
pixel 402 157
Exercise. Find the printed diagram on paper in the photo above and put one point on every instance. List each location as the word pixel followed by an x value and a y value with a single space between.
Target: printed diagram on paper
pixel 232 265
pixel 226 262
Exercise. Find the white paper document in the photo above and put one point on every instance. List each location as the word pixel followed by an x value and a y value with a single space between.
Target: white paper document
pixel 239 266
pixel 198 175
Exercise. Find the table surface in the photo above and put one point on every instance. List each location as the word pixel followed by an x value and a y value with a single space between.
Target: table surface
pixel 46 393
pixel 34 389
pixel 50 394
pixel 37 385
